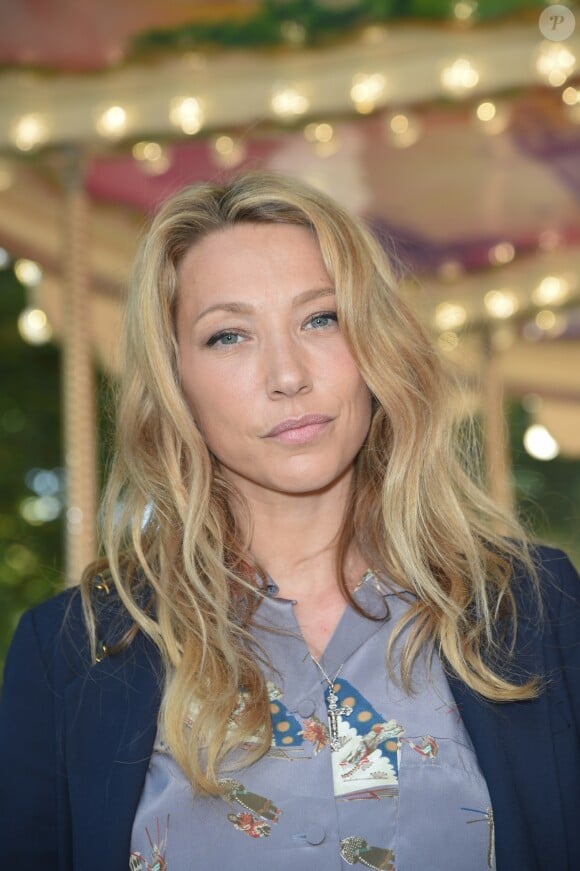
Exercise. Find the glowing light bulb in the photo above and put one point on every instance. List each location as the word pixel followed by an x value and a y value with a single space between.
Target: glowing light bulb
pixel 545 320
pixel 555 63
pixel 227 151
pixel 323 138
pixel 320 132
pixel 289 103
pixel 153 159
pixel 491 117
pixel 403 129
pixel 503 252
pixel 34 327
pixel 187 113
pixel 501 303
pixel 552 290
pixel 450 316
pixel 367 91
pixel 30 131
pixel 28 272
pixel 571 96
pixel 460 76
pixel 112 123
pixel 540 443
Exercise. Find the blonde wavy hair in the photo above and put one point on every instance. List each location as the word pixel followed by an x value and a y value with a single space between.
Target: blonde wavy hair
pixel 416 509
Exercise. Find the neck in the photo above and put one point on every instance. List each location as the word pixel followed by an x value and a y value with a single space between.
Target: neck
pixel 295 539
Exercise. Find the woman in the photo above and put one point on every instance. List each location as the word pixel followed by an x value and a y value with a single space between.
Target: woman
pixel 285 509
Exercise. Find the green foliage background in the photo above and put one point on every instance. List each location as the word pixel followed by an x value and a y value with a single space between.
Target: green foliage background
pixel 321 22
pixel 31 557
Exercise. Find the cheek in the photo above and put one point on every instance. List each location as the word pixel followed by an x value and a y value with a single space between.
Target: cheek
pixel 364 411
pixel 351 383
pixel 218 401
pixel 199 395
pixel 362 404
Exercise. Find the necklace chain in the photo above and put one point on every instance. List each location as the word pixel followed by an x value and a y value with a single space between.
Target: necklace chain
pixel 325 676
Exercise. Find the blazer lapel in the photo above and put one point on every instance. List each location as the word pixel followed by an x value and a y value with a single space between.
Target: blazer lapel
pixel 109 730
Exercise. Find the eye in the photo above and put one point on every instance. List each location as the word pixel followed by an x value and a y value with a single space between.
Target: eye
pixel 323 319
pixel 225 339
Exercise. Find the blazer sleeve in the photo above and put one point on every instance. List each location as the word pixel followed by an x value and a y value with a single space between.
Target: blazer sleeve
pixel 567 630
pixel 28 756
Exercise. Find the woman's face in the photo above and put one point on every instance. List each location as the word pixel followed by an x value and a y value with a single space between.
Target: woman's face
pixel 260 348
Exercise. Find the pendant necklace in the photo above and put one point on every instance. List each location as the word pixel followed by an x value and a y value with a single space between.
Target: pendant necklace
pixel 333 712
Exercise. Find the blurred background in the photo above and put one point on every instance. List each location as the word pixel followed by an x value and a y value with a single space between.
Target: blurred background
pixel 452 128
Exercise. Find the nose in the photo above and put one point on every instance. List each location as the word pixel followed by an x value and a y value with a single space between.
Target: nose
pixel 287 370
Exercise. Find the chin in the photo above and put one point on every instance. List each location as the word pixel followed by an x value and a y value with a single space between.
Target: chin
pixel 296 476
pixel 308 482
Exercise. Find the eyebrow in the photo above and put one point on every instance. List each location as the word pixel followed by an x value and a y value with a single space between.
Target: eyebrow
pixel 246 309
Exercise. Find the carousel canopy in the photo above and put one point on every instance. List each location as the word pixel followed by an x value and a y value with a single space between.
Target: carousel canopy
pixel 453 129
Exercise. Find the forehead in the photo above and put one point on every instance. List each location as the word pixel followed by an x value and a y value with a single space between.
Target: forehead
pixel 251 254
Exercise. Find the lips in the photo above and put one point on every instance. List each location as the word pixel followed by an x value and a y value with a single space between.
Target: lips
pixel 298 423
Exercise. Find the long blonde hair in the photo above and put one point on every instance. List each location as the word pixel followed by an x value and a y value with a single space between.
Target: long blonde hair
pixel 417 510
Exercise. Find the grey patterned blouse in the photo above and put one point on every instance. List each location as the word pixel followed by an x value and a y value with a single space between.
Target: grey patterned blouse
pixel 358 775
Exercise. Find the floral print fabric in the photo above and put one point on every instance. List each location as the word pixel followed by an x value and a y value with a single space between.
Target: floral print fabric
pixel 401 791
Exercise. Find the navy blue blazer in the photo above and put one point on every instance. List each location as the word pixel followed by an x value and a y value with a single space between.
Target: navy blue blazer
pixel 75 739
